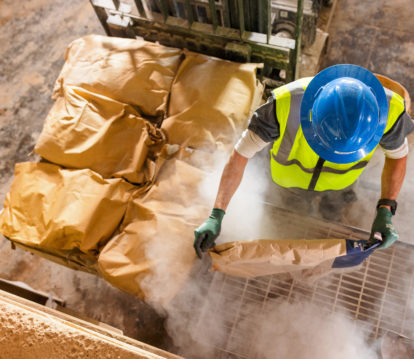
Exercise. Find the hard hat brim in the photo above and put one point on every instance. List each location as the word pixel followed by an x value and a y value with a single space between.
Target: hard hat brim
pixel 309 97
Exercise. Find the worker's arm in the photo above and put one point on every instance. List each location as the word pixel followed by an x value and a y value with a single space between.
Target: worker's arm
pixel 231 177
pixel 395 146
pixel 392 177
pixel 391 182
pixel 263 128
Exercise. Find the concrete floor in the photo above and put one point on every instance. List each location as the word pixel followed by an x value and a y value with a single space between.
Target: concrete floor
pixel 376 34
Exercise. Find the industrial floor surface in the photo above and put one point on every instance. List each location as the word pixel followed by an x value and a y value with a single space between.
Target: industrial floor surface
pixel 376 34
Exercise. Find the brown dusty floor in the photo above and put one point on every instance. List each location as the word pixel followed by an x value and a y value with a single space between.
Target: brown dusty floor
pixel 376 34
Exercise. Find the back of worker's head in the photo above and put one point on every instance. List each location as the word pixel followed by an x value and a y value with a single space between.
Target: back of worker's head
pixel 344 113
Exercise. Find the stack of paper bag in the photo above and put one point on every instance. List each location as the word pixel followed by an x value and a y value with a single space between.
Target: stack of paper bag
pixel 132 134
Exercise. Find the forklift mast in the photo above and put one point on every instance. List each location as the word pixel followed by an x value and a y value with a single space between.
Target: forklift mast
pixel 261 31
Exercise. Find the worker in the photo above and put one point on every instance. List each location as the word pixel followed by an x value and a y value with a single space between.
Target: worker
pixel 324 131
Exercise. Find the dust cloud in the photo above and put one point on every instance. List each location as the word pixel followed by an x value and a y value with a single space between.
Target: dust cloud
pixel 209 325
pixel 304 330
pixel 244 213
pixel 204 323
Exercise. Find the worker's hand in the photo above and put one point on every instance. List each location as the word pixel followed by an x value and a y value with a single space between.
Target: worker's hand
pixel 208 232
pixel 383 224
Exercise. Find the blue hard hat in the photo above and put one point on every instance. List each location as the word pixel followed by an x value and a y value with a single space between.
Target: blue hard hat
pixel 344 113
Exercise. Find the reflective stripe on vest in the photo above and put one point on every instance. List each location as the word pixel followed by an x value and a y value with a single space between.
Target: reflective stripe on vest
pixel 294 163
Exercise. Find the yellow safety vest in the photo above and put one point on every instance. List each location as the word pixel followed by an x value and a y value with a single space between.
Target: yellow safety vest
pixel 294 163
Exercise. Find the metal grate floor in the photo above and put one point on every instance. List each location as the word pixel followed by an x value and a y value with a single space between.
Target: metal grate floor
pixel 378 295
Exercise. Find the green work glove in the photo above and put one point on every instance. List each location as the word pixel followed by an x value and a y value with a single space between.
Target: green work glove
pixel 208 232
pixel 383 225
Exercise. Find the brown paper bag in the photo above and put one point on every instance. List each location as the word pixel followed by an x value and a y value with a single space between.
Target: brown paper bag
pixel 54 208
pixel 131 71
pixel 271 256
pixel 153 253
pixel 211 101
pixel 86 130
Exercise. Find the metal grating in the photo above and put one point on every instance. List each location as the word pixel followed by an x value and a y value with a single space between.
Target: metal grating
pixel 378 295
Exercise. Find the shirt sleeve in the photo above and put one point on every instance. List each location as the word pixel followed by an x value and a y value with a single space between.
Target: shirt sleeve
pixel 264 123
pixel 395 137
pixel 249 144
pixel 400 152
